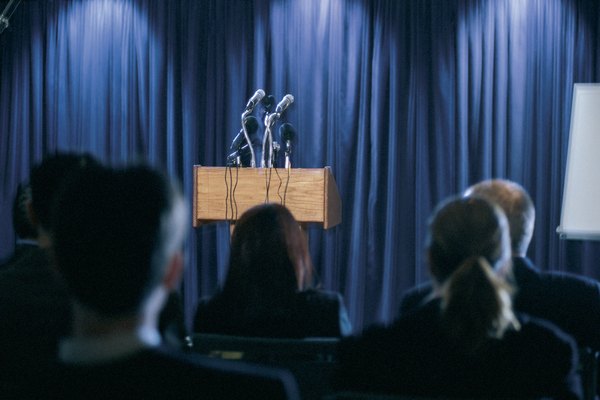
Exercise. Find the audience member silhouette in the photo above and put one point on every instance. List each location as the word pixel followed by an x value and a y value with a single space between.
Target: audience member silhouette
pixel 34 305
pixel 117 242
pixel 465 340
pixel 268 290
pixel 25 231
pixel 571 302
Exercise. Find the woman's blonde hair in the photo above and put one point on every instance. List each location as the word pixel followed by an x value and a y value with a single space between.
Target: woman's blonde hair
pixel 468 243
pixel 476 304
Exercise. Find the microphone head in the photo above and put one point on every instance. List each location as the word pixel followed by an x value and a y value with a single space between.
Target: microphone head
pixel 289 98
pixel 287 132
pixel 267 103
pixel 284 103
pixel 255 99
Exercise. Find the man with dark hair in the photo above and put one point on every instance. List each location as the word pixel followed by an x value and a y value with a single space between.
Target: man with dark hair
pixel 569 301
pixel 34 305
pixel 117 243
pixel 46 180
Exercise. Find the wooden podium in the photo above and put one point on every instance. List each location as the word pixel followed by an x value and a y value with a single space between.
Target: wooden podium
pixel 224 193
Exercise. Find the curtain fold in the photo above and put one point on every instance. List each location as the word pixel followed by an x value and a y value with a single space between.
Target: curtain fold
pixel 408 102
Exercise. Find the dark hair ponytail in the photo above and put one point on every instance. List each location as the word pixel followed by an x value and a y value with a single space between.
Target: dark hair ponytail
pixel 476 304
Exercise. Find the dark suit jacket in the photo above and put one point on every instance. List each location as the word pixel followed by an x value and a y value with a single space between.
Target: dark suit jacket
pixel 311 313
pixel 21 250
pixel 158 373
pixel 571 302
pixel 35 313
pixel 414 356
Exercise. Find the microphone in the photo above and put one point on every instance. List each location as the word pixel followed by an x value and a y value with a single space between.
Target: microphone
pixel 4 23
pixel 240 157
pixel 284 103
pixel 270 120
pixel 267 103
pixel 251 124
pixel 6 14
pixel 255 99
pixel 287 100
pixel 287 133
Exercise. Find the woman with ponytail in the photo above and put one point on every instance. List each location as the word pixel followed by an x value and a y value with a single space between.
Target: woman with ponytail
pixel 465 341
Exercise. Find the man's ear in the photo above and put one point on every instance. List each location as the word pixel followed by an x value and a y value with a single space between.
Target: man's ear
pixel 174 271
pixel 432 268
pixel 31 214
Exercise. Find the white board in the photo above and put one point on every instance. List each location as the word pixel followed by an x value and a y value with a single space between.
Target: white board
pixel 580 216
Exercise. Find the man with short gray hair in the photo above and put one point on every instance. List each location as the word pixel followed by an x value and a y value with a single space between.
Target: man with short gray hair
pixel 570 301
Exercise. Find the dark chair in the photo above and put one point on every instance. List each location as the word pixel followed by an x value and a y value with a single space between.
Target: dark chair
pixel 588 371
pixel 311 360
pixel 349 395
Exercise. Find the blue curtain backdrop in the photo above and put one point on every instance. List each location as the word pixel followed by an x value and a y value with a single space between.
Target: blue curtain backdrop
pixel 407 101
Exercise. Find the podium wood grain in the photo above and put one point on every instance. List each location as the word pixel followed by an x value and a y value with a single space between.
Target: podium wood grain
pixel 223 194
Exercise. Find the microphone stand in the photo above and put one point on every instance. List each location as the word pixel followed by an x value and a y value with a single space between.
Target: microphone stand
pixel 276 148
pixel 288 153
pixel 245 114
pixel 6 14
pixel 270 120
pixel 266 136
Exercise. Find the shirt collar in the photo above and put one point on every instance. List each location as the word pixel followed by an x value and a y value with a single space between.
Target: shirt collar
pixel 104 348
pixel 29 242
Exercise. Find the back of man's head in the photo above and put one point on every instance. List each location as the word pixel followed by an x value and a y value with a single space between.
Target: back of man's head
pixel 46 179
pixel 516 204
pixel 114 234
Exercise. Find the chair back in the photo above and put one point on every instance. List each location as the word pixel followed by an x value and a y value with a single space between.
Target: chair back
pixel 588 371
pixel 311 360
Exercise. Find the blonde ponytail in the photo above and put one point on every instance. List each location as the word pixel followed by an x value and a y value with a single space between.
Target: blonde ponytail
pixel 476 304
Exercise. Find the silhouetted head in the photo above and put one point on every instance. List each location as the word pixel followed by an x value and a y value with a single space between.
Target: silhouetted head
pixel 116 234
pixel 468 244
pixel 517 206
pixel 269 254
pixel 46 179
pixel 466 227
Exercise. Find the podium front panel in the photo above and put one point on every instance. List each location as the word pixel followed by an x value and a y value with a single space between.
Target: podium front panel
pixel 223 194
